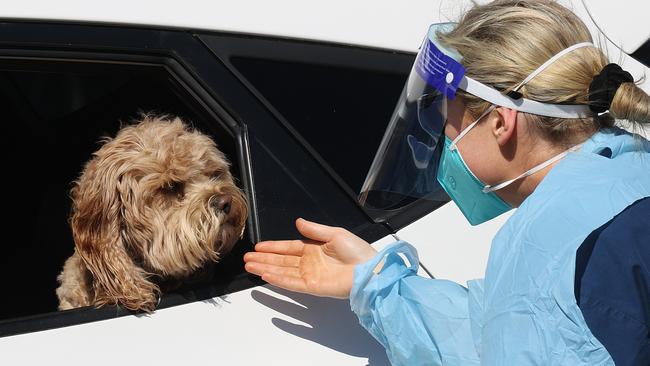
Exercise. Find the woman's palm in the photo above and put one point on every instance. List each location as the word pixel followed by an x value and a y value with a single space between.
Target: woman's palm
pixel 323 265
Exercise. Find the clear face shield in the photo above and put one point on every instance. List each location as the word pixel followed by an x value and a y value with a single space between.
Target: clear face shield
pixel 406 164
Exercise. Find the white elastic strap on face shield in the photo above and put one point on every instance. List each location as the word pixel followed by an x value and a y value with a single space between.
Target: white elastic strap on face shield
pixel 488 188
pixel 526 105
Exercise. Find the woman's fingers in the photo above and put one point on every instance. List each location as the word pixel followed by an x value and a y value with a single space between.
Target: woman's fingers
pixel 286 282
pixel 262 268
pixel 315 231
pixel 271 258
pixel 285 277
pixel 287 247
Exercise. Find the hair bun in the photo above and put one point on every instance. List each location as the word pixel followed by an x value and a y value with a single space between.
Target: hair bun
pixel 604 86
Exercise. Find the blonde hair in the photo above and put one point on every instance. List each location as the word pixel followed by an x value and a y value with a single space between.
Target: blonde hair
pixel 504 41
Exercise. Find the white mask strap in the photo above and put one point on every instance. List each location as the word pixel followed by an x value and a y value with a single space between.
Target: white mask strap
pixel 488 188
pixel 464 132
pixel 550 61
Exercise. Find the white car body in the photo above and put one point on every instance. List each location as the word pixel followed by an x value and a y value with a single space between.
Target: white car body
pixel 263 325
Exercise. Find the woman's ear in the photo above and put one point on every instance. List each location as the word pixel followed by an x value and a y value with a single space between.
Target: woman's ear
pixel 504 125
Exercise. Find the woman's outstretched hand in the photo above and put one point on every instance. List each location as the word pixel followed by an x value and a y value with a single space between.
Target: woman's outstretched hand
pixel 323 265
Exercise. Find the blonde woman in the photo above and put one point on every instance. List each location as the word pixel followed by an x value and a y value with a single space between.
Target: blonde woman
pixel 513 106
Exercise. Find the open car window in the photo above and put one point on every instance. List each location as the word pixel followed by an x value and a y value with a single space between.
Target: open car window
pixel 56 114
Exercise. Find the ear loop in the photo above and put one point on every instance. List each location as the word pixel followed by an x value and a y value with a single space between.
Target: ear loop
pixel 488 188
pixel 464 132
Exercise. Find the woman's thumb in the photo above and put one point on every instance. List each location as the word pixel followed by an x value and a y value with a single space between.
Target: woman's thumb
pixel 315 231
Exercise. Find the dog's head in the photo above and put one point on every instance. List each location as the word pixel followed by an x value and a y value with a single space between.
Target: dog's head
pixel 158 199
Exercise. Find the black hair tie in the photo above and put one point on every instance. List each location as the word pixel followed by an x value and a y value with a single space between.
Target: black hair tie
pixel 604 86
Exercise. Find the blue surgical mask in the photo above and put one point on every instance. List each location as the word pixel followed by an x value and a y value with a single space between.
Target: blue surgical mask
pixel 466 190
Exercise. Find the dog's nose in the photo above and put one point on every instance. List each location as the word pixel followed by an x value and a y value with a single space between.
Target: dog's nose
pixel 222 203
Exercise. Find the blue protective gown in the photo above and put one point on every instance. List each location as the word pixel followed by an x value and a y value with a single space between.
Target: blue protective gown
pixel 524 312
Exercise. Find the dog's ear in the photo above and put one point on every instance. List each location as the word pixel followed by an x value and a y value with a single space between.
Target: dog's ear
pixel 96 222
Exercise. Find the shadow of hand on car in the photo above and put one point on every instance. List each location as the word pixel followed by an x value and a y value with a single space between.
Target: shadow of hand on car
pixel 331 323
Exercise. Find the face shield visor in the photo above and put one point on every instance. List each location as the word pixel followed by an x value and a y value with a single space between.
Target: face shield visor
pixel 405 166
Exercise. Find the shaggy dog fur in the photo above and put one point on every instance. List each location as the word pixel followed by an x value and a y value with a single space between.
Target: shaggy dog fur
pixel 153 206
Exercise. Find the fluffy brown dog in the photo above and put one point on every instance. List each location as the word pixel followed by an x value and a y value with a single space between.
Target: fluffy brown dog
pixel 154 204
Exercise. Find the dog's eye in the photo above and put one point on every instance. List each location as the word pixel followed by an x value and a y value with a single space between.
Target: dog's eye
pixel 175 188
pixel 217 174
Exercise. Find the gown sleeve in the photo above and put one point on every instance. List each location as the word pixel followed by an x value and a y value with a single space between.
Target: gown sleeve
pixel 420 321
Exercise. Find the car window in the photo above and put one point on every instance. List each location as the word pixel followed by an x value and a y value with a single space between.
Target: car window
pixel 55 115
pixel 341 112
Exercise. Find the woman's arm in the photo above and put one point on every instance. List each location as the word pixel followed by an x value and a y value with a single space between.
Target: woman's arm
pixel 419 321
